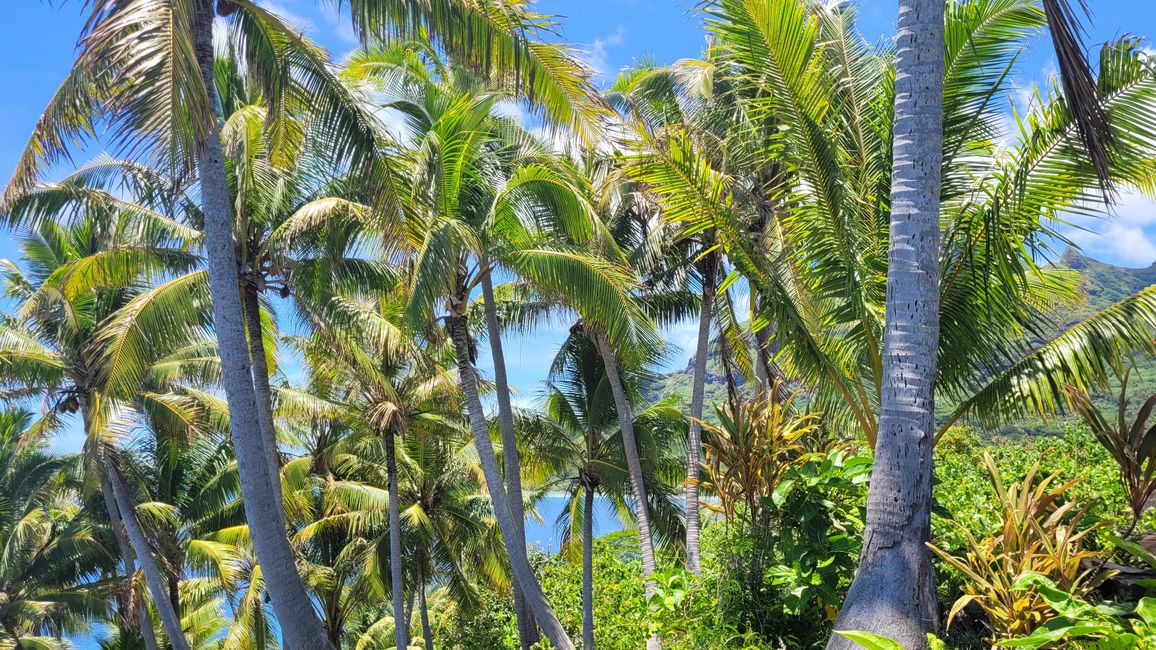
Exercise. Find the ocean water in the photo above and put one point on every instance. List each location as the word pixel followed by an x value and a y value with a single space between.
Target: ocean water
pixel 544 533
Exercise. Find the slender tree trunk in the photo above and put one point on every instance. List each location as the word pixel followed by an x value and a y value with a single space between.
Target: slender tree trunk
pixel 401 627
pixel 264 391
pixel 426 628
pixel 527 629
pixel 633 466
pixel 694 442
pixel 153 577
pixel 519 562
pixel 588 571
pixel 409 612
pixel 894 592
pixel 148 635
pixel 301 629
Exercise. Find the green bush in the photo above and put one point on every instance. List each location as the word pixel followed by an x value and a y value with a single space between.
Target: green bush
pixel 784 581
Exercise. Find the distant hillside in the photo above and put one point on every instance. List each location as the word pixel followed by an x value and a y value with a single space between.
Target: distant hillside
pixel 1106 283
pixel 1103 284
pixel 679 383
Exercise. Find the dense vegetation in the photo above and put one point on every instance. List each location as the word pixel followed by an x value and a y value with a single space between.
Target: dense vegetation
pixel 259 213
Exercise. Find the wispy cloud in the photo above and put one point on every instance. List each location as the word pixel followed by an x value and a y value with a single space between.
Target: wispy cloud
pixel 1127 237
pixel 294 19
pixel 598 52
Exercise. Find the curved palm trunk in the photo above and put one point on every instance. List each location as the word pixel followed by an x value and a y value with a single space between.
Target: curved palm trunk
pixel 588 572
pixel 148 635
pixel 264 391
pixel 694 442
pixel 894 593
pixel 300 626
pixel 519 562
pixel 634 467
pixel 397 583
pixel 527 629
pixel 153 577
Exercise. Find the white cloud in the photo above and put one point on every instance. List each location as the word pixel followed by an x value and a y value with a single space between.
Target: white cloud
pixel 1126 237
pixel 597 55
pixel 295 20
pixel 342 25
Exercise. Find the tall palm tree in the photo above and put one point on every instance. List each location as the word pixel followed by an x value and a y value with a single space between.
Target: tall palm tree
pixel 650 291
pixel 51 547
pixel 81 275
pixel 391 387
pixel 894 590
pixel 487 194
pixel 577 447
pixel 168 111
pixel 802 214
pixel 653 99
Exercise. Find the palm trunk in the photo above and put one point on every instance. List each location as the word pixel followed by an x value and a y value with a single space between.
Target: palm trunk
pixel 300 626
pixel 694 442
pixel 264 391
pixel 148 635
pixel 148 565
pixel 426 629
pixel 633 466
pixel 400 628
pixel 894 592
pixel 409 612
pixel 527 629
pixel 588 571
pixel 519 562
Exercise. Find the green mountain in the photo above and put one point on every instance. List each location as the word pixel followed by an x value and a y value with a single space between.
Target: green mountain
pixel 1105 283
pixel 1102 283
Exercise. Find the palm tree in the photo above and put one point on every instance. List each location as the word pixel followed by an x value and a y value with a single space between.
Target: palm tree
pixel 52 548
pixel 390 386
pixel 648 289
pixel 577 447
pixel 80 277
pixel 894 591
pixel 654 99
pixel 168 111
pixel 803 220
pixel 488 194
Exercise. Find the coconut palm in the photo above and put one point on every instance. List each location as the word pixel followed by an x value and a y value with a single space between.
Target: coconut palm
pixel 51 547
pixel 368 364
pixel 893 591
pixel 485 196
pixel 577 447
pixel 169 113
pixel 803 215
pixel 653 99
pixel 79 278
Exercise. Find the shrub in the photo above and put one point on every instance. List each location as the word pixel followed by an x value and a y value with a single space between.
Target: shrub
pixel 785 580
pixel 1040 533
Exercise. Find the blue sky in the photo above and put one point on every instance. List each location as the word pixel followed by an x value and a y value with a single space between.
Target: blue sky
pixel 37 42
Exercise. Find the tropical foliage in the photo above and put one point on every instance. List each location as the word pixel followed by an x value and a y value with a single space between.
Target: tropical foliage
pixel 269 329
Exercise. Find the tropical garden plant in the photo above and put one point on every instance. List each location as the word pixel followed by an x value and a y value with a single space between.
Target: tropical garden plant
pixel 281 313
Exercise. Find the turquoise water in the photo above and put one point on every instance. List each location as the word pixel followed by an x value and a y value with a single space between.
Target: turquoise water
pixel 544 533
